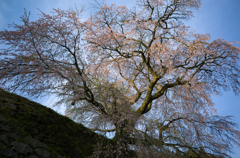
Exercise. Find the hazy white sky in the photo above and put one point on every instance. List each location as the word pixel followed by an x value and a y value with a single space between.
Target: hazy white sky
pixel 219 18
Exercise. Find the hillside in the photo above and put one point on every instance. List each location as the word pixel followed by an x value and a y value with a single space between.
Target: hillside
pixel 28 129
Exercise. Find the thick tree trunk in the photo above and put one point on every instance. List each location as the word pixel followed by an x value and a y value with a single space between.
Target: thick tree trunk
pixel 123 138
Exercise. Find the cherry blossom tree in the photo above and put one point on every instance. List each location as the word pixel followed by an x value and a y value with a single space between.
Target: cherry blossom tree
pixel 139 74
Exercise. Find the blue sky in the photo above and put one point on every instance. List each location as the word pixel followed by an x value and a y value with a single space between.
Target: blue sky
pixel 219 18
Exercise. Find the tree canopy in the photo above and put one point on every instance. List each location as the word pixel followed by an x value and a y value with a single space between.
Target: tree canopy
pixel 138 73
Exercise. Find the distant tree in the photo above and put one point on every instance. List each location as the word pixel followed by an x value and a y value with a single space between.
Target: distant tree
pixel 139 74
